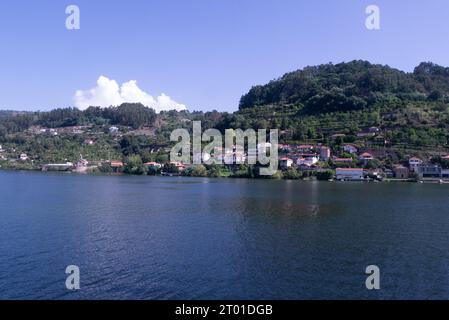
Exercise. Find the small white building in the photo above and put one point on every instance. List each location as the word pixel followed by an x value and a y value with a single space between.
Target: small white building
pixel 310 161
pixel 285 163
pixel 349 174
pixel 414 163
pixel 23 157
pixel 113 130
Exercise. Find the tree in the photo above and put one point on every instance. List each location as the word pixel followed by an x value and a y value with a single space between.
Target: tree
pixel 199 171
pixel 134 165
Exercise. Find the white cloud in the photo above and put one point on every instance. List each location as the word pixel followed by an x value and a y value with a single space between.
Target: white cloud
pixel 108 93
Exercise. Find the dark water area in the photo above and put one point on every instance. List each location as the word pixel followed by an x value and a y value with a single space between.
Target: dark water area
pixel 199 238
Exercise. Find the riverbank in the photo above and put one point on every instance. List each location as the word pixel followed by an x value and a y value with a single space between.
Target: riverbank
pixel 96 172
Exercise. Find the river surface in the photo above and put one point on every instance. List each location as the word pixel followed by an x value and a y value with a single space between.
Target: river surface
pixel 138 237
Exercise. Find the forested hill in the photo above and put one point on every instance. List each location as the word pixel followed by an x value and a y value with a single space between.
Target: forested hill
pixel 350 86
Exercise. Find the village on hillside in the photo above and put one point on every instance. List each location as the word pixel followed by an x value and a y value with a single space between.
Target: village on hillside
pixel 366 159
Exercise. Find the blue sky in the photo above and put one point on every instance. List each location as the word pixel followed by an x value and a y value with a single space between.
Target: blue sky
pixel 202 53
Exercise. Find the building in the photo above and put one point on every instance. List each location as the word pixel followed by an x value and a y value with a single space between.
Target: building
pixel 285 163
pixel 445 173
pixel 310 160
pixel 153 164
pixel 414 163
pixel 429 170
pixel 179 165
pixel 366 156
pixel 349 148
pixel 1 148
pixel 307 160
pixel 113 130
pixel 116 166
pixel 305 148
pixel 349 174
pixel 23 157
pixel 325 153
pixel 401 172
pixel 389 173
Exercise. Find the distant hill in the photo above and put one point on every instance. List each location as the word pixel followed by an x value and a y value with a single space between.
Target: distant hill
pixel 350 86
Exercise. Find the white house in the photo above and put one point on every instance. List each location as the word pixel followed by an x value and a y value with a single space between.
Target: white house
pixel 285 163
pixel 23 157
pixel 311 160
pixel 307 160
pixel 349 174
pixel 113 130
pixel 414 163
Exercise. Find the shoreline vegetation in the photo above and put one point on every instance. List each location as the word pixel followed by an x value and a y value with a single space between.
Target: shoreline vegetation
pixel 327 176
pixel 347 121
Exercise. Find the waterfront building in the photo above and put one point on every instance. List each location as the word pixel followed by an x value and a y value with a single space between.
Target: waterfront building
pixel 445 173
pixel 414 163
pixel 285 163
pixel 350 174
pixel 153 164
pixel 116 165
pixel 429 170
pixel 401 172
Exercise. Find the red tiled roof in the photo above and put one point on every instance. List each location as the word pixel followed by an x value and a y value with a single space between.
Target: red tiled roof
pixel 366 155
pixel 116 164
pixel 152 164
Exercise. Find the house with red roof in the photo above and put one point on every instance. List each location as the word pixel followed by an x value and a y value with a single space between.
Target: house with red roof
pixel 365 157
pixel 153 164
pixel 285 163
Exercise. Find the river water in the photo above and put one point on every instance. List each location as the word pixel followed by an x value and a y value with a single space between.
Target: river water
pixel 136 237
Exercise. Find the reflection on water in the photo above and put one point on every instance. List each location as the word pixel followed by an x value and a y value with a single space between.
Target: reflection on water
pixel 187 238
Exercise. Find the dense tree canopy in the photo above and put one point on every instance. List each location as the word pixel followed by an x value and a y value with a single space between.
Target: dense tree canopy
pixel 349 86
